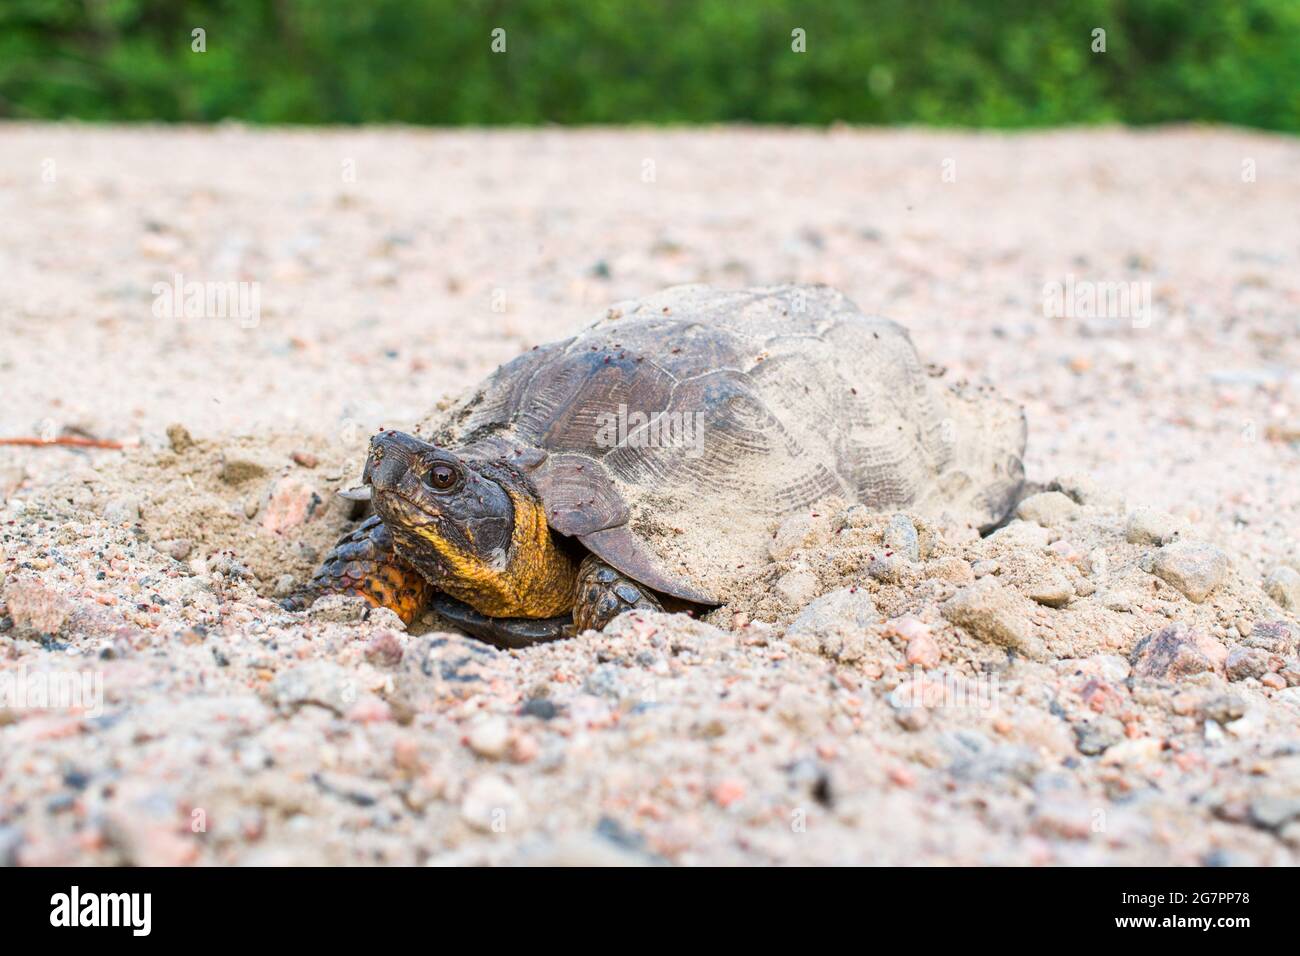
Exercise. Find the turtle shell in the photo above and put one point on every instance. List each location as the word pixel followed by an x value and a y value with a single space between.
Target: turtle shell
pixel 672 435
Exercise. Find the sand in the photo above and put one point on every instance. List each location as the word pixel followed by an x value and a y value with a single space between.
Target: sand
pixel 1110 679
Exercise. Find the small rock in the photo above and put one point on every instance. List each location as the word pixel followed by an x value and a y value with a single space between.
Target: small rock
pixel 728 792
pixel 319 683
pixel 236 471
pixel 1051 588
pixel 384 649
pixel 922 651
pixel 1085 490
pixel 1151 526
pixel 1135 751
pixel 179 438
pixel 489 737
pixel 1098 735
pixel 605 680
pixel 912 718
pixel 993 613
pixel 1272 811
pixel 901 537
pixel 1246 662
pixel 1193 568
pixel 1175 653
pixel 305 459
pixel 797 587
pixel 35 607
pixel 178 548
pixel 1283 586
pixel 539 707
pixel 1026 535
pixel 1051 509
pixel 798 533
pixel 1276 637
pixel 291 503
pixel 123 510
pixel 339 609
pixel 836 624
pixel 492 805
pixel 385 617
pixel 1224 709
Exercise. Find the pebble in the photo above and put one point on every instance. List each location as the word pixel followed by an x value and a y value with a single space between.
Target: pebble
pixel 797 587
pixel 1051 509
pixel 835 624
pixel 1276 637
pixel 178 548
pixel 492 805
pixel 997 615
pixel 383 649
pixel 1176 653
pixel 236 471
pixel 320 683
pixel 1246 662
pixel 339 609
pixel 123 510
pixel 798 533
pixel 922 651
pixel 1051 588
pixel 179 438
pixel 1283 586
pixel 1151 526
pixel 912 718
pixel 1086 490
pixel 1193 568
pixel 1096 736
pixel 35 606
pixel 901 537
pixel 728 792
pixel 291 503
pixel 489 737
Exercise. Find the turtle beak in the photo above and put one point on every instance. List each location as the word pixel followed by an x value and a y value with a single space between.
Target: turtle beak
pixel 391 457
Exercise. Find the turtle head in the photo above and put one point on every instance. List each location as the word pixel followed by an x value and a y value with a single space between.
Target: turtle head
pixel 475 529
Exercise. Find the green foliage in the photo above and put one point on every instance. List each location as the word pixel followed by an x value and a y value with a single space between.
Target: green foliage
pixel 1003 63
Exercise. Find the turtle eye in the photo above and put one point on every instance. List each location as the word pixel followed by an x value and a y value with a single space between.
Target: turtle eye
pixel 440 477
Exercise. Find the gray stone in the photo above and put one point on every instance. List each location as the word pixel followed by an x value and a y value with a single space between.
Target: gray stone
pixel 1173 653
pixel 1051 509
pixel 1245 662
pixel 1151 526
pixel 836 624
pixel 997 615
pixel 1195 569
pixel 901 538
pixel 1283 586
pixel 123 510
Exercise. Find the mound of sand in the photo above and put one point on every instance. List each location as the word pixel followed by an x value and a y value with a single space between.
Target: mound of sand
pixel 1086 683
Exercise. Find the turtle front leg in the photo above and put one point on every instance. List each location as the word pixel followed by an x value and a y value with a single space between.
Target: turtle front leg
pixel 603 594
pixel 364 563
pixel 504 632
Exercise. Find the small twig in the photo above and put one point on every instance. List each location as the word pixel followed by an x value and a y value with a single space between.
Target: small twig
pixel 65 440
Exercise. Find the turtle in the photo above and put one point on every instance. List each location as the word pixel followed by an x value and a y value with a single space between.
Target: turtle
pixel 644 462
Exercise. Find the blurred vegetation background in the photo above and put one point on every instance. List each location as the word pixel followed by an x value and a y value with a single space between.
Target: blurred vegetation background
pixel 1001 63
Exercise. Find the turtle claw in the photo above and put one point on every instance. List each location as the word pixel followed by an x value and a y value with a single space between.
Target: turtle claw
pixel 363 563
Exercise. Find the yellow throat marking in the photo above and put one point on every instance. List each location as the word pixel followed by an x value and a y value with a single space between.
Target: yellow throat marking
pixel 538 579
